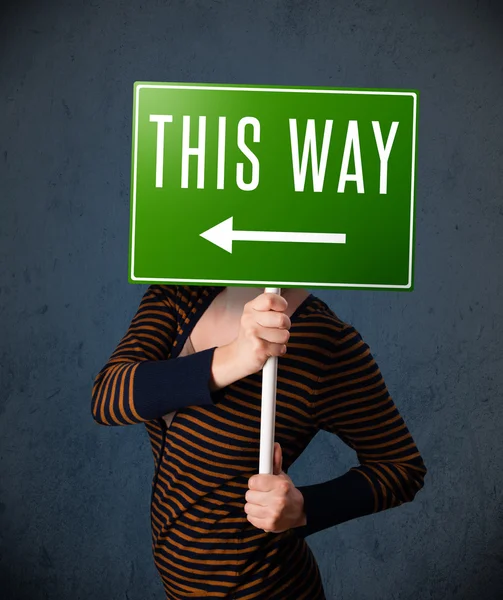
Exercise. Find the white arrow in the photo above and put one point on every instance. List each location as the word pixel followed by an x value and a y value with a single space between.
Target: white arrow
pixel 223 235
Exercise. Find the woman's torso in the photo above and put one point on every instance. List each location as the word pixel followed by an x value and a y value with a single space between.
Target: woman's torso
pixel 202 539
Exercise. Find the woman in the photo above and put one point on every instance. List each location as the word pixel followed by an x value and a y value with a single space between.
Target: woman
pixel 216 532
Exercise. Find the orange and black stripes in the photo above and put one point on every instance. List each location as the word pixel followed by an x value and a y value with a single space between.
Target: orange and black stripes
pixel 351 400
pixel 202 542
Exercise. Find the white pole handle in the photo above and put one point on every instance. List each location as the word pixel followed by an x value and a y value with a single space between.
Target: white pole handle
pixel 268 409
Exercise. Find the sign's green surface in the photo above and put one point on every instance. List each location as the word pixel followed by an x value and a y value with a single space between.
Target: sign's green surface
pixel 273 186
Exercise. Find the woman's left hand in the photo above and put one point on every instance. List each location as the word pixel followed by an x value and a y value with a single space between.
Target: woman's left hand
pixel 274 504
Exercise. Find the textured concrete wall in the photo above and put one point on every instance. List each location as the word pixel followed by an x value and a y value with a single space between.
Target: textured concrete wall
pixel 74 497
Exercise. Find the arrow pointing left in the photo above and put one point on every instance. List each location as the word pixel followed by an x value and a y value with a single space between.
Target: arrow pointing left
pixel 224 234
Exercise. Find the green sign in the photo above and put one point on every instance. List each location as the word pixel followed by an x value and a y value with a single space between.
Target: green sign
pixel 272 186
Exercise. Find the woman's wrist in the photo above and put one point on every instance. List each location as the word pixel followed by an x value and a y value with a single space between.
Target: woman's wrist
pixel 223 368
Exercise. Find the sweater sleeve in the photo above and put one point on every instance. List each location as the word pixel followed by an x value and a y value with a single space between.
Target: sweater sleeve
pixel 352 401
pixel 140 382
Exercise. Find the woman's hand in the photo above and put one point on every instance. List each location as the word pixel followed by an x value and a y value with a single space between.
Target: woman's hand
pixel 264 332
pixel 274 504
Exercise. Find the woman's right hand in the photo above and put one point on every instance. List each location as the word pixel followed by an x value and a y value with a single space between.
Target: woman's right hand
pixel 264 332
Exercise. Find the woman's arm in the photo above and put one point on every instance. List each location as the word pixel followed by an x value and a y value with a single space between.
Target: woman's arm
pixel 352 401
pixel 139 383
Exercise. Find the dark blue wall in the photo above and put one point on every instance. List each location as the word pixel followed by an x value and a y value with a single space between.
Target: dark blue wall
pixel 74 496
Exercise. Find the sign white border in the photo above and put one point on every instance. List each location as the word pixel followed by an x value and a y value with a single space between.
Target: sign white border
pixel 279 90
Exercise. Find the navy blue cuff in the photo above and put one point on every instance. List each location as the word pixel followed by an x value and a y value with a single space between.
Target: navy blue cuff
pixel 335 501
pixel 163 386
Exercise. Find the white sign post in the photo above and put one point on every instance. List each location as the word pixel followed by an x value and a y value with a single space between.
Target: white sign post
pixel 268 409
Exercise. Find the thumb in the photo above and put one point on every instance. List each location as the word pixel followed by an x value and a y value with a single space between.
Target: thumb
pixel 278 459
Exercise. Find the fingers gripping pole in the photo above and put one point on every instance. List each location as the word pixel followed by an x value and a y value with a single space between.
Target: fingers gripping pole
pixel 268 409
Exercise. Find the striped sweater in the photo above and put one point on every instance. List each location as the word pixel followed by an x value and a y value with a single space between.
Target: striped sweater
pixel 202 542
